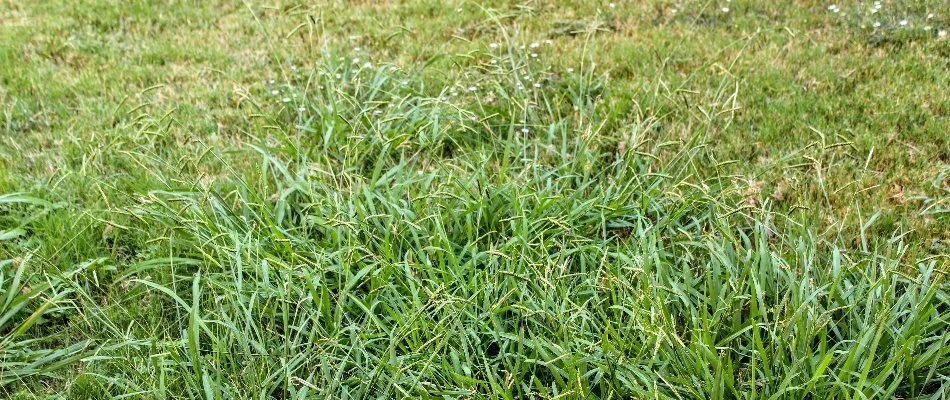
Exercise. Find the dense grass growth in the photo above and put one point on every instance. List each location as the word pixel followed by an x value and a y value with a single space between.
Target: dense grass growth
pixel 456 200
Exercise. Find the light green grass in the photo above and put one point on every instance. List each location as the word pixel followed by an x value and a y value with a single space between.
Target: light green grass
pixel 347 200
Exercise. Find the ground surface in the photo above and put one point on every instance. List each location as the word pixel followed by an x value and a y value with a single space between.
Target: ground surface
pixel 474 200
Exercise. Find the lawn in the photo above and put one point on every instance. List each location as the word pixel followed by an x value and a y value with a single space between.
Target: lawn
pixel 454 199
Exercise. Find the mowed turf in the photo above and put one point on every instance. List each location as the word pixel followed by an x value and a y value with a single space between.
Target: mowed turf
pixel 424 199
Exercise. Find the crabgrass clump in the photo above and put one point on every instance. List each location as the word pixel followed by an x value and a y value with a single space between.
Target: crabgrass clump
pixel 523 216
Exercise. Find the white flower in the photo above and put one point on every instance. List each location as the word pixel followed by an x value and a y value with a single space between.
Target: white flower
pixel 525 130
pixel 674 11
pixel 493 45
pixel 355 60
pixel 535 45
pixel 876 24
pixel 274 92
pixel 534 55
pixel 367 64
pixel 927 27
pixel 570 70
pixel 285 99
pixel 537 85
pixel 942 33
pixel 301 109
pixel 356 49
pixel 903 22
pixel 930 16
pixel 472 88
pixel 725 9
pixel 271 81
pixel 293 67
pixel 612 5
pixel 549 42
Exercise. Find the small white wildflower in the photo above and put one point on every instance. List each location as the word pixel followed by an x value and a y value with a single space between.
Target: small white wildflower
pixel 612 5
pixel 394 68
pixel 876 24
pixel 293 67
pixel 535 45
pixel 301 109
pixel 927 27
pixel 903 22
pixel 494 61
pixel 549 42
pixel 271 81
pixel 725 9
pixel 367 64
pixel 285 99
pixel 493 45
pixel 930 16
pixel 474 118
pixel 472 88
pixel 356 49
pixel 570 70
pixel 525 130
pixel 674 11
pixel 537 85
pixel 534 55
pixel 355 60
pixel 274 92
pixel 942 33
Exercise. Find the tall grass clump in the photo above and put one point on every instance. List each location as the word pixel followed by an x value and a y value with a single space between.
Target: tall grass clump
pixel 503 233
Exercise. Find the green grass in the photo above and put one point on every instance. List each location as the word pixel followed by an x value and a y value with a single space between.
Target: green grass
pixel 474 200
